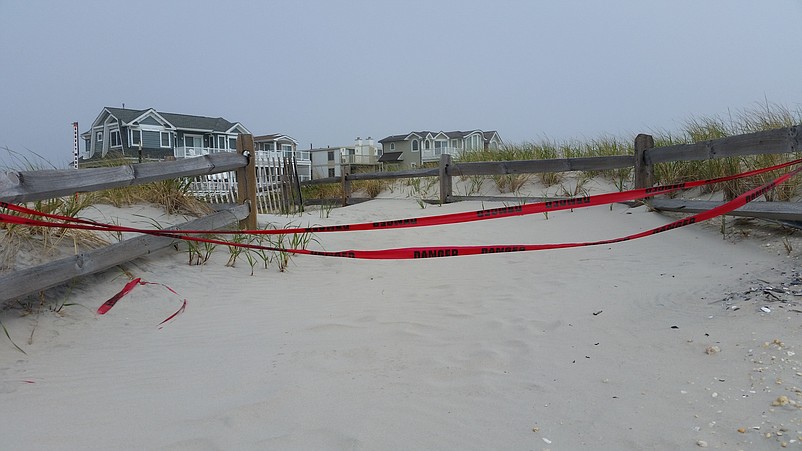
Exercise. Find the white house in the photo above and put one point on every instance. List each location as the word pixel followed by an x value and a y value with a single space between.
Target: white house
pixel 328 161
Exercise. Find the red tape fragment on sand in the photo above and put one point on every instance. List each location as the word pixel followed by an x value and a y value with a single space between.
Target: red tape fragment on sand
pixel 106 306
pixel 113 300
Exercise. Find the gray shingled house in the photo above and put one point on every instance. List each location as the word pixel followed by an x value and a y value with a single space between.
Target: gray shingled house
pixel 152 135
pixel 417 148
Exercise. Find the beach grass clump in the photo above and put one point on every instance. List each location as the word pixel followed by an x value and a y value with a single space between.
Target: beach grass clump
pixel 761 117
pixel 51 237
pixel 322 191
pixel 511 183
pixel 371 187
pixel 767 116
pixel 608 146
pixel 174 195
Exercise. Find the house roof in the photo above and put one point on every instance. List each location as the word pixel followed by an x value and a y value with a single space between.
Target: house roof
pixel 487 136
pixel 179 121
pixel 274 137
pixel 393 138
pixel 390 157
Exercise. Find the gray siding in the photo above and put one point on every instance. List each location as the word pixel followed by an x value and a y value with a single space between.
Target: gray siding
pixel 150 121
pixel 98 143
pixel 150 139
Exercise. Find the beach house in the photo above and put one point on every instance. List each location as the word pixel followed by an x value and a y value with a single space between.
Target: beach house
pixel 273 149
pixel 414 149
pixel 363 155
pixel 152 135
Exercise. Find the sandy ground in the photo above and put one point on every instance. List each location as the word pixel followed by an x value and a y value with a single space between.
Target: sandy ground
pixel 658 343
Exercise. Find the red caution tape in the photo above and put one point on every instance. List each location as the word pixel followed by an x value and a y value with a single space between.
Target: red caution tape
pixel 453 218
pixel 106 306
pixel 429 252
pixel 454 251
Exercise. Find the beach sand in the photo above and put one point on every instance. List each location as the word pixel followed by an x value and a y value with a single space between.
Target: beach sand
pixel 657 343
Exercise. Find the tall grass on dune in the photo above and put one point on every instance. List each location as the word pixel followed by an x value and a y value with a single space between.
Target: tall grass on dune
pixel 173 195
pixel 760 117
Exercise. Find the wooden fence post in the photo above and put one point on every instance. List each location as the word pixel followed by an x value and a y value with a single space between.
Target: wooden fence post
pixel 286 186
pixel 445 179
pixel 345 171
pixel 644 177
pixel 246 181
pixel 297 179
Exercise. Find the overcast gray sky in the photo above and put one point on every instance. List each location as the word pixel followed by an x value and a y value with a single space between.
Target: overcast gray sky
pixel 325 72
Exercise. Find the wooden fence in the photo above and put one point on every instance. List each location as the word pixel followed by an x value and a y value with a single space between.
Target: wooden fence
pixel 777 141
pixel 28 186
pixel 277 187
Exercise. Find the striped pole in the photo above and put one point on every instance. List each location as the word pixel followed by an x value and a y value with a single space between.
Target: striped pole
pixel 75 145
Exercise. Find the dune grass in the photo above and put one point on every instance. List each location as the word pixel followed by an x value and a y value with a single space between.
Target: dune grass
pixel 761 117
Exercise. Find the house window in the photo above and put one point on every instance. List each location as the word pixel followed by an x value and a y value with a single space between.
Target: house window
pixel 136 137
pixel 232 143
pixel 427 144
pixel 473 143
pixel 99 137
pixel 221 142
pixel 331 172
pixel 165 139
pixel 415 145
pixel 440 147
pixel 114 136
pixel 287 149
pixel 392 146
pixel 331 157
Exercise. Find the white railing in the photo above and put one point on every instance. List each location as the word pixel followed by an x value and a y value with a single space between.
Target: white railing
pixel 261 155
pixel 434 154
pixel 193 151
pixel 300 155
pixel 222 188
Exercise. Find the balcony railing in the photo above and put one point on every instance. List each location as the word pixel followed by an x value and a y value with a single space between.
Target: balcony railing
pixel 301 156
pixel 434 154
pixel 190 151
pixel 266 155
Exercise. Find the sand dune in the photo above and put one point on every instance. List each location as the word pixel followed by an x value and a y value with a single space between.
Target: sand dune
pixel 628 346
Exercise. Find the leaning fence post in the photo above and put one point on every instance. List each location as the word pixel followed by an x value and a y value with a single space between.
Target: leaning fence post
pixel 644 171
pixel 445 179
pixel 246 181
pixel 345 171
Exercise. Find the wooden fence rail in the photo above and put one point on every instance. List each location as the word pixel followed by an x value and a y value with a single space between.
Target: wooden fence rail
pixel 781 140
pixel 30 186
